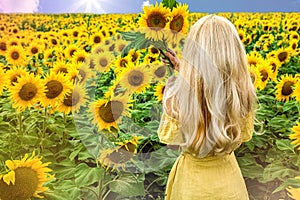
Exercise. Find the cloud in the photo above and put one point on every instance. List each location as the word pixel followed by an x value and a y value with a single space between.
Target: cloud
pixel 19 6
pixel 146 3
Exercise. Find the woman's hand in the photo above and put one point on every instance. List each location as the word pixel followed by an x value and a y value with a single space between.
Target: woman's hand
pixel 171 55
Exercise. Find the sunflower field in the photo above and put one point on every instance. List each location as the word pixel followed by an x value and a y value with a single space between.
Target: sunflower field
pixel 81 103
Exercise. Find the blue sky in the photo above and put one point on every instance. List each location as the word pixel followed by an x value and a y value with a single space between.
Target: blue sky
pixel 135 6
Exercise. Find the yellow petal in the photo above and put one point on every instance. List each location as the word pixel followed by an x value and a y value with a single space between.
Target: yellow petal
pixel 10 164
pixel 9 177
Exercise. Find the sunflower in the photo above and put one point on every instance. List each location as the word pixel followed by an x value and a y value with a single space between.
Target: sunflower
pixel 121 63
pixel 255 76
pixel 159 91
pixel 107 113
pixel 61 67
pixel 115 90
pixel 254 58
pixel 131 144
pixel 70 50
pixel 159 71
pixel 293 35
pixel 296 135
pixel 84 73
pixel 96 38
pixel 99 49
pixel 266 74
pixel 134 78
pixel 79 56
pixel 283 55
pixel 103 61
pixel 3 46
pixel 120 45
pixel 154 20
pixel 34 48
pixel 274 64
pixel 115 158
pixel 284 89
pixel 73 100
pixel 14 73
pixel 179 22
pixel 25 178
pixel 152 50
pixel 57 87
pixel 134 56
pixel 15 55
pixel 27 91
pixel 293 44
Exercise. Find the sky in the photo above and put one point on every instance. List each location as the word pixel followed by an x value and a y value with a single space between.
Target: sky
pixel 135 6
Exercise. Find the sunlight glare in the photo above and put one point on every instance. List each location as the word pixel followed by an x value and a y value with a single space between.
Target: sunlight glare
pixel 89 6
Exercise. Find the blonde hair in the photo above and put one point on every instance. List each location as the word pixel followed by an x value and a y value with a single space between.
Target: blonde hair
pixel 213 92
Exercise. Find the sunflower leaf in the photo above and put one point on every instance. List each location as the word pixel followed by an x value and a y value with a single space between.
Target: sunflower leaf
pixel 129 185
pixel 86 176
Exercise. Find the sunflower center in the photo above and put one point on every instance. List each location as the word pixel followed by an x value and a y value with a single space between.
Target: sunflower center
pixel 111 111
pixel 156 20
pixel 80 59
pixel 123 63
pixel 112 47
pixel 135 78
pixel 134 57
pixel 82 74
pixel 24 187
pixel 119 156
pixel 14 79
pixel 97 39
pixel 154 50
pixel 287 88
pixel 54 41
pixel 103 62
pixel 160 71
pixel 54 88
pixel 274 67
pixel 75 33
pixel 72 52
pixel 63 70
pixel 3 46
pixel 28 91
pixel 121 47
pixel 252 62
pixel 264 75
pixel 253 77
pixel 282 56
pixel 15 55
pixel 72 99
pixel 177 24
pixel 34 50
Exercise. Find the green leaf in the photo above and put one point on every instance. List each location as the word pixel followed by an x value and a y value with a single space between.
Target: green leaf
pixel 278 170
pixel 85 175
pixel 293 182
pixel 129 185
pixel 285 145
pixel 249 167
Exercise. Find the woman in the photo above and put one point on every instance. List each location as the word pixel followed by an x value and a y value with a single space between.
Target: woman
pixel 208 112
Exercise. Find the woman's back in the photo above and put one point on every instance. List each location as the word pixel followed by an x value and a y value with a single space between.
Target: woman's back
pixel 208 111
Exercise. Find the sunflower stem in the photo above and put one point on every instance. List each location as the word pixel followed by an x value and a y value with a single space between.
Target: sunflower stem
pixel 44 122
pixel 90 189
pixel 20 123
pixel 65 119
pixel 107 193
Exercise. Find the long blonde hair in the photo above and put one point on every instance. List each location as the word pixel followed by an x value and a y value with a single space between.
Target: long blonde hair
pixel 213 92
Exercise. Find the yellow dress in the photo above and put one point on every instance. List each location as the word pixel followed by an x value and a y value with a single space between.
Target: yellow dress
pixel 210 178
